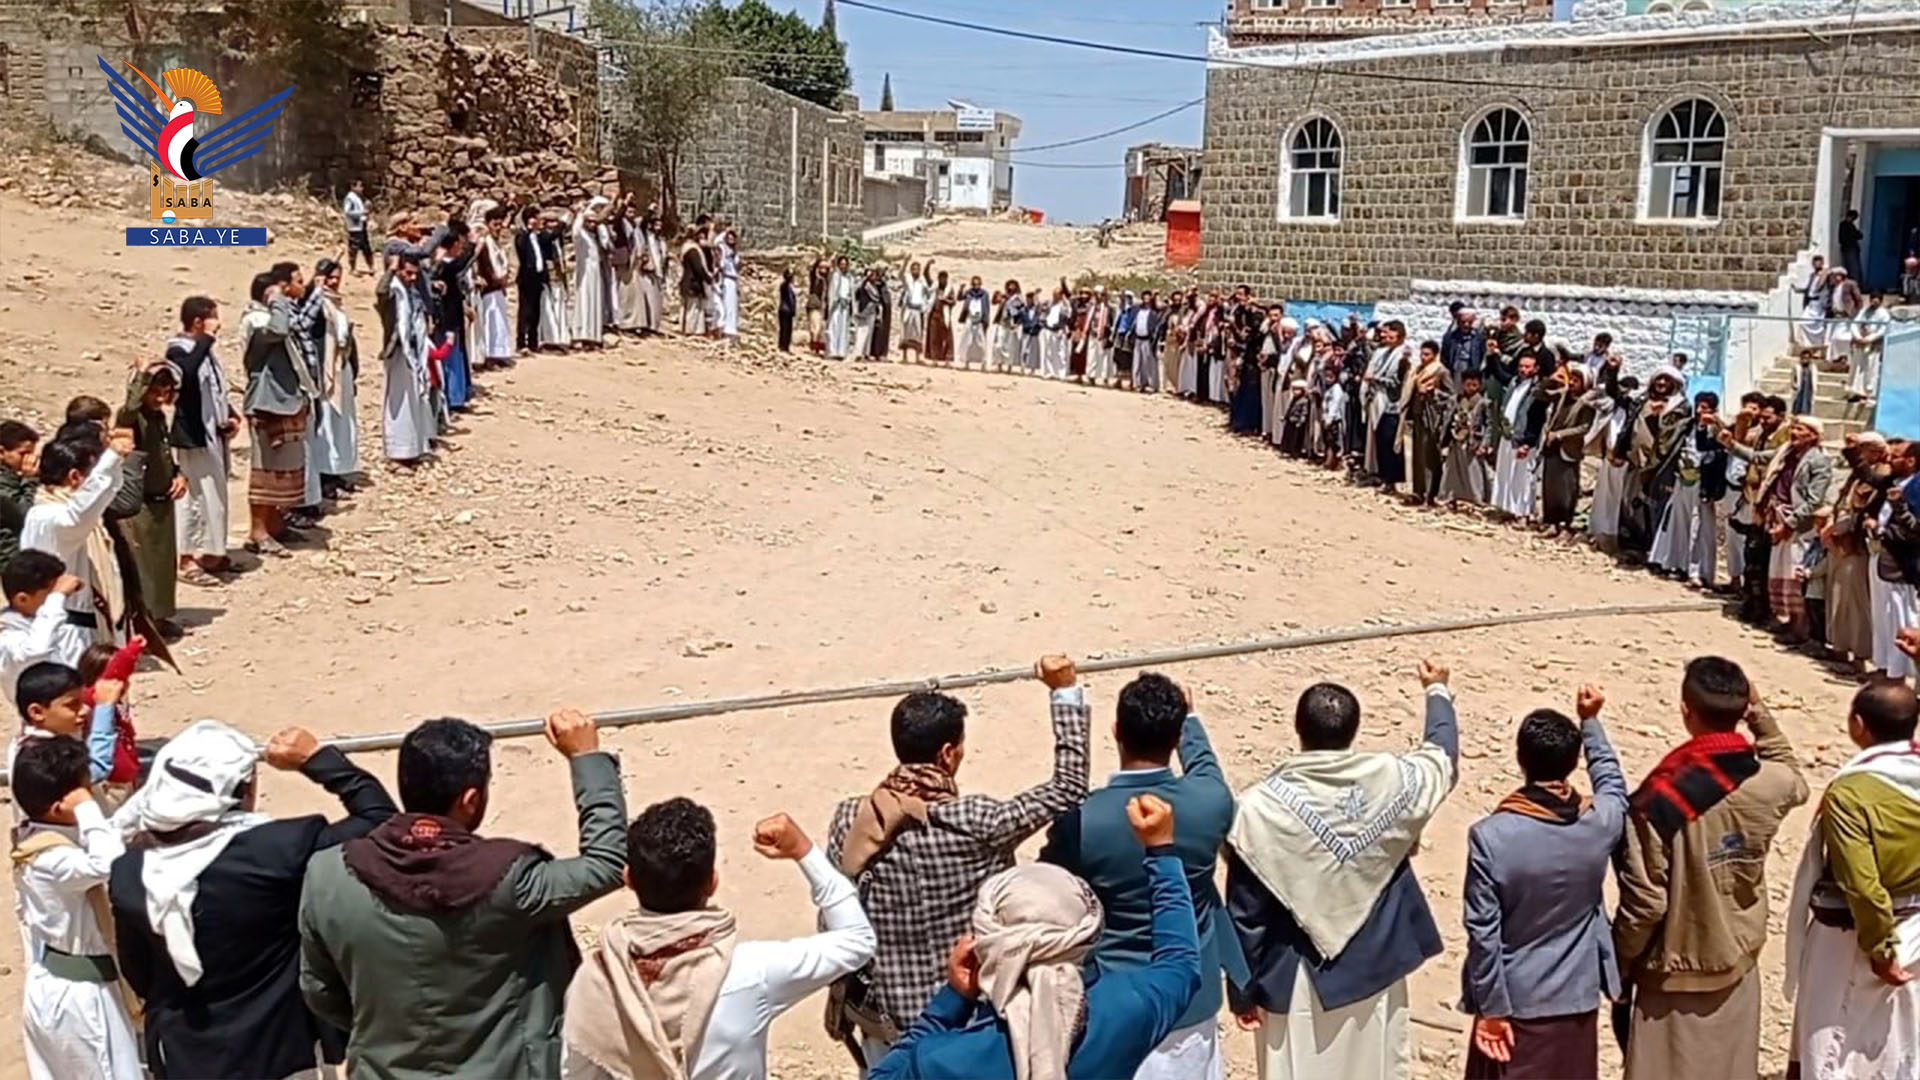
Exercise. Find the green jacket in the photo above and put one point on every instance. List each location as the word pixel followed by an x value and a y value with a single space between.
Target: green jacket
pixel 16 498
pixel 470 992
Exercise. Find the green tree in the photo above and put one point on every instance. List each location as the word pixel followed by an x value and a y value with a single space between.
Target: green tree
pixel 886 92
pixel 664 61
pixel 780 49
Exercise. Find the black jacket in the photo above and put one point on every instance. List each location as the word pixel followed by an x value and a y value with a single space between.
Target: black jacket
pixel 245 1017
pixel 528 275
pixel 189 429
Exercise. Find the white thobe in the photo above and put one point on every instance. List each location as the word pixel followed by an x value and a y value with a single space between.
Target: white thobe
pixel 1895 606
pixel 73 1029
pixel 1368 1038
pixel 61 529
pixel 589 287
pixel 46 637
pixel 1863 354
pixel 1513 474
pixel 839 314
pixel 406 412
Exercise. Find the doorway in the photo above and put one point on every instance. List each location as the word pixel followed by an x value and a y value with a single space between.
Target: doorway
pixel 1893 232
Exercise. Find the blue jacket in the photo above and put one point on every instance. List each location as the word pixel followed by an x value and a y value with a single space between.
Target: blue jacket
pixel 1128 1012
pixel 1538 942
pixel 1097 844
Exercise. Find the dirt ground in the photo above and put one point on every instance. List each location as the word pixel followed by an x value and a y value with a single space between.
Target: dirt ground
pixel 663 522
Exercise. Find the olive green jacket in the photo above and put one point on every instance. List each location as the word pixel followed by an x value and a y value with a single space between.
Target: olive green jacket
pixel 472 992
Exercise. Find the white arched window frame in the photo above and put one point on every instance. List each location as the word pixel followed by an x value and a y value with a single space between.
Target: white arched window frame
pixel 1683 164
pixel 1311 163
pixel 1496 148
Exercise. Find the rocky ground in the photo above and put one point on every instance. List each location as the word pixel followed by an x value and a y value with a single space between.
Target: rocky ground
pixel 668 521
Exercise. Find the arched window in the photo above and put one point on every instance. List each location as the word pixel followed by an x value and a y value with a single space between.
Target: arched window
pixel 1685 148
pixel 1312 173
pixel 1496 162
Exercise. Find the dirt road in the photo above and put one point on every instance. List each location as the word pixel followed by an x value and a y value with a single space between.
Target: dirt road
pixel 664 522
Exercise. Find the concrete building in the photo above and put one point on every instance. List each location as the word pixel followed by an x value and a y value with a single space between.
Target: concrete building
pixel 961 151
pixel 1159 175
pixel 1656 176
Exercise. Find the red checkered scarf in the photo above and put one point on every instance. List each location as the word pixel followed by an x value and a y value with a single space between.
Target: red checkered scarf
pixel 1693 778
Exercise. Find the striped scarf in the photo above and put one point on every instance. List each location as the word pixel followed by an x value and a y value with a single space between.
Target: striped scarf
pixel 1692 779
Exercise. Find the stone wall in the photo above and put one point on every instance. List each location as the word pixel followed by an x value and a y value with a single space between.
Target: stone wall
pixel 887 199
pixel 1286 20
pixel 479 116
pixel 780 169
pixel 1588 113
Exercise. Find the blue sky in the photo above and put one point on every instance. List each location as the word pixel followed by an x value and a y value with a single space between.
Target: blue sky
pixel 1059 92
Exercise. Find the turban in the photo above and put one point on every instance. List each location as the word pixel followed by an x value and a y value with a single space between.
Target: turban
pixel 1033 927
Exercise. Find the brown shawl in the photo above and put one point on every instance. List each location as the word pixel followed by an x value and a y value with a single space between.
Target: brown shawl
pixel 1554 802
pixel 902 800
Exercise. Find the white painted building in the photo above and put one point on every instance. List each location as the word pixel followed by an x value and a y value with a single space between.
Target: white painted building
pixel 962 151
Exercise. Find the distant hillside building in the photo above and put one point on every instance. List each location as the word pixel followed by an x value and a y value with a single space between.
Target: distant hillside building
pixel 1622 171
pixel 1159 175
pixel 961 151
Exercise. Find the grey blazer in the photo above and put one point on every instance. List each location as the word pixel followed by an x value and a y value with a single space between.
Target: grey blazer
pixel 1538 941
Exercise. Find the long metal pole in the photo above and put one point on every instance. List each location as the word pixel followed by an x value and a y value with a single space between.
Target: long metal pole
pixel 661 714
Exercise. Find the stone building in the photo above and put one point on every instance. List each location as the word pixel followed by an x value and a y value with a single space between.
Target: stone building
pixel 780 169
pixel 1260 22
pixel 1617 172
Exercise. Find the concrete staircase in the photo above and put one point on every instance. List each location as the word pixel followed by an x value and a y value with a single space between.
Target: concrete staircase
pixel 1830 402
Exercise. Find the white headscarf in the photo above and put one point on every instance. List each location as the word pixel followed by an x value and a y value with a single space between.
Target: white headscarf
pixel 1033 926
pixel 197 780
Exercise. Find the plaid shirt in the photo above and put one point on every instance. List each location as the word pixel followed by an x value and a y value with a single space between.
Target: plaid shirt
pixel 919 894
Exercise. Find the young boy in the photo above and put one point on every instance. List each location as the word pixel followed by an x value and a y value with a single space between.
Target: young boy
pixel 17 483
pixel 52 702
pixel 34 627
pixel 76 1021
pixel 1467 477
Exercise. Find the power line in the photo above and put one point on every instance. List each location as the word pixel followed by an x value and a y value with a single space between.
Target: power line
pixel 1164 54
pixel 1109 134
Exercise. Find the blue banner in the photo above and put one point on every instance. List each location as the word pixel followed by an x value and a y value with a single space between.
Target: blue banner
pixel 197 236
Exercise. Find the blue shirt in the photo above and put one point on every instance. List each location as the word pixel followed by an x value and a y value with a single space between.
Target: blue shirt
pixel 1128 1012
pixel 1097 844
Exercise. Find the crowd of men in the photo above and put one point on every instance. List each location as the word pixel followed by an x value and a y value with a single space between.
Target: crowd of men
pixel 173 930
pixel 1499 420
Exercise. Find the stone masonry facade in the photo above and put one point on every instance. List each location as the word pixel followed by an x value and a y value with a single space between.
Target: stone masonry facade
pixel 1588 111
pixel 779 169
pixel 1249 22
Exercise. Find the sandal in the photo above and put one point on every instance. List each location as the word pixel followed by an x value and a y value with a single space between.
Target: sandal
pixel 269 547
pixel 198 576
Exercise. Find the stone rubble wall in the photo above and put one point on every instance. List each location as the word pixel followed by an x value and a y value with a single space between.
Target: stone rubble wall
pixel 479 116
pixel 1588 112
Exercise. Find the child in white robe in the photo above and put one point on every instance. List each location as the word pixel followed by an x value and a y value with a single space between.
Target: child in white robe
pixel 74 1017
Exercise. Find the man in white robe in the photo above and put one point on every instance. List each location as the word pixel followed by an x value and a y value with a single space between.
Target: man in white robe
pixel 589 276
pixel 1330 915
pixel 1055 346
pixel 1513 468
pixel 406 412
pixel 841 287
pixel 203 425
pixel 1853 919
pixel 1864 350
